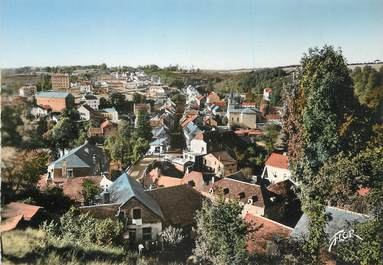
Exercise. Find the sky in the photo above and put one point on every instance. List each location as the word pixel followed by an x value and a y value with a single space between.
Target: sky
pixel 206 34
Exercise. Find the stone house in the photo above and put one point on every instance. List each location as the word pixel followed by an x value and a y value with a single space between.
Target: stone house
pixel 221 163
pixel 85 160
pixel 253 197
pixel 146 212
pixel 245 118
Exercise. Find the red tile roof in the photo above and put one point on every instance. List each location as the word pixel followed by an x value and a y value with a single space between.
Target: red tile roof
pixel 281 188
pixel 178 204
pixel 264 230
pixel 166 181
pixel 188 118
pixel 72 187
pixel 196 177
pixel 249 132
pixel 18 208
pixel 10 223
pixel 363 191
pixel 235 189
pixel 106 123
pixel 278 160
pixel 248 104
pixel 220 103
pixel 273 117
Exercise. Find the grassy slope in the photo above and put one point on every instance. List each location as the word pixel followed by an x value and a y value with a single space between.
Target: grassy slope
pixel 26 247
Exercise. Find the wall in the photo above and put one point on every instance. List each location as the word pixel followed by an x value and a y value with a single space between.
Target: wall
pixel 274 174
pixel 198 146
pixel 56 104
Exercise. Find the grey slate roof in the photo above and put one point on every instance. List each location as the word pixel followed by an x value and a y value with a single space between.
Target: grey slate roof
pixel 125 188
pixel 109 110
pixel 245 111
pixel 337 219
pixel 159 141
pixel 90 96
pixel 52 94
pixel 83 157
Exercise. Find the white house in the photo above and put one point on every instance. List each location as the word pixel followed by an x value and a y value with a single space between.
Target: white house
pixel 40 111
pixel 85 112
pixel 277 168
pixel 266 93
pixel 158 146
pixel 86 86
pixel 111 114
pixel 92 101
pixel 105 183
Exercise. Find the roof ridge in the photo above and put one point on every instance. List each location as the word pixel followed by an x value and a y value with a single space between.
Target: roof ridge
pixel 249 183
pixel 337 208
pixel 270 220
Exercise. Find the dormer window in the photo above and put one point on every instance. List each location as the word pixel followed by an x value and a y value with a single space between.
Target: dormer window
pixel 252 199
pixel 226 191
pixel 241 195
pixel 191 183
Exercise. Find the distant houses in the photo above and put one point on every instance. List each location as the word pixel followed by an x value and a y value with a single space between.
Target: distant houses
pixel 27 91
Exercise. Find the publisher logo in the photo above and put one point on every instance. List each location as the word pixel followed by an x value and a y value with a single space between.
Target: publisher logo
pixel 342 236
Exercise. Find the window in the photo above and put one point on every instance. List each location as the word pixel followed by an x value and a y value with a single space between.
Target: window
pixel 147 233
pixel 132 235
pixel 241 195
pixel 237 119
pixel 137 213
pixel 225 190
pixel 69 173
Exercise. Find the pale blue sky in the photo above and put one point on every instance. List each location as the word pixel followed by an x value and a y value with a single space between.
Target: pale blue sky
pixel 216 34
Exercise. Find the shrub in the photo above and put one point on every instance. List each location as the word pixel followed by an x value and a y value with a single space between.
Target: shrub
pixel 172 236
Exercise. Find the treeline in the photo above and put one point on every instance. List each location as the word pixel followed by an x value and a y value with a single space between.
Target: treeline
pixel 368 88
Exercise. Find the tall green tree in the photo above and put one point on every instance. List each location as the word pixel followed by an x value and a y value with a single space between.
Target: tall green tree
pixel 221 233
pixel 119 145
pixel 143 129
pixel 320 122
pixel 64 132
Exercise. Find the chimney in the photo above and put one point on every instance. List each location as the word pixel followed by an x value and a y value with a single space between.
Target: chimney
pixel 212 179
pixel 106 197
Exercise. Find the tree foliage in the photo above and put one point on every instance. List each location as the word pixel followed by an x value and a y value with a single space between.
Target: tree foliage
pixel 89 190
pixel 221 234
pixel 25 169
pixel 322 119
pixel 83 229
